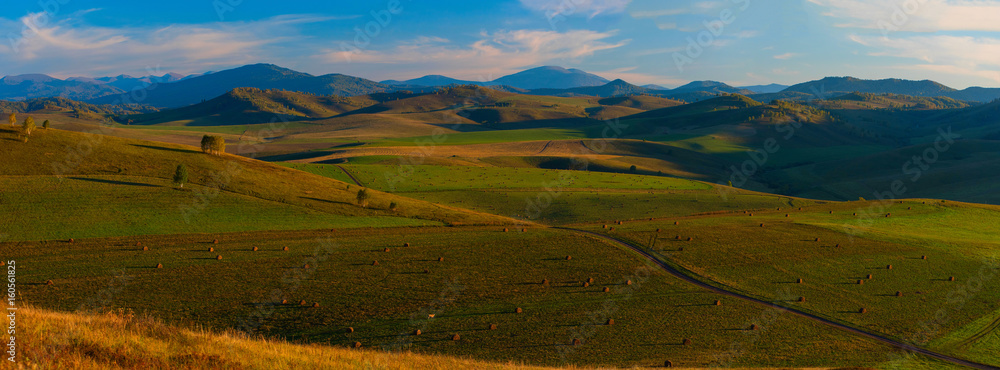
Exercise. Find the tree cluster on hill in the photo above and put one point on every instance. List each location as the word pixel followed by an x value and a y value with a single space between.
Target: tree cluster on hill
pixel 214 145
pixel 57 104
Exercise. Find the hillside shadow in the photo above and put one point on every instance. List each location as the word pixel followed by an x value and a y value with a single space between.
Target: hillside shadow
pixel 114 182
pixel 325 201
pixel 166 149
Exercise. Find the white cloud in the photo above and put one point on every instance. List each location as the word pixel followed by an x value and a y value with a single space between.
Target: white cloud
pixel 640 14
pixel 70 48
pixel 915 15
pixel 958 55
pixel 494 54
pixel 591 8
pixel 786 56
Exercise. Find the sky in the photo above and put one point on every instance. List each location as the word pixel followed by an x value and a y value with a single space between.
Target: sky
pixel 670 43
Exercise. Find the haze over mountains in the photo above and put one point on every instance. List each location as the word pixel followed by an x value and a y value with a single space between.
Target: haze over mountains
pixel 173 90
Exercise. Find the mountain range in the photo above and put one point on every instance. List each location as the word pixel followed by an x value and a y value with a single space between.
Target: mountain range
pixel 174 90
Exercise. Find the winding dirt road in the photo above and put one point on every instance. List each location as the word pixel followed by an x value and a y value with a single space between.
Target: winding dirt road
pixel 677 273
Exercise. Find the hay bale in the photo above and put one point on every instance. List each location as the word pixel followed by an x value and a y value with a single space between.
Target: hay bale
pixel 799 281
pixel 456 337
pixel 863 310
pixel 605 226
pixel 545 281
pixel 612 228
pixel 678 237
pixel 315 304
pixel 676 223
pixel 569 258
pixel 870 276
pixel 577 342
pixel 350 329
pixel 923 257
pixel 751 215
pixel 386 250
pixel 216 241
pixel 753 327
pixel 145 249
pixel 887 215
pixel 406 245
pixel 590 280
pixel 506 230
pixel 306 266
pixel 284 301
pixel 357 344
pixel 667 363
pixel 284 249
pixel 254 249
pixel 426 271
pixel 417 332
pixel 159 265
pixel 681 249
pixel 718 303
pixel 628 282
pixel 802 299
pixel 861 282
pixel 518 310
pixel 138 244
pixel 586 284
pixel 690 239
pixel 888 267
pixel 211 249
pixel 610 322
pixel 951 278
pixel 786 215
pixel 524 230
pixel 493 326
pixel 440 259
pixel 2 263
pixel 657 230
pixel 49 282
pixel 817 239
pixel 606 289
pixel 686 342
pixel 899 294
pixel 72 240
pixel 219 257
pixel 375 263
pixel 838 246
pixel 302 302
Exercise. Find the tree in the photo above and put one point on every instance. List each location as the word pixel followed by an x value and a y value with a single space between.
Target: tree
pixel 28 126
pixel 363 197
pixel 181 175
pixel 393 206
pixel 12 119
pixel 215 145
pixel 45 125
pixel 632 169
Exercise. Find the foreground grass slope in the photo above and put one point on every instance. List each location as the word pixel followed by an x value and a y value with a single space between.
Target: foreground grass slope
pixel 60 182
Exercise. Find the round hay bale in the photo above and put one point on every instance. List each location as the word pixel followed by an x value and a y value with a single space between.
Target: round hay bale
pixel 518 310
pixel 417 332
pixel 426 271
pixel 899 294
pixel 569 258
pixel 667 363
pixel 863 310
pixel 678 237
pixel 658 230
pixel 751 215
pixel 216 241
pixel 49 282
pixel 838 246
pixel 284 301
pixel 138 244
pixel 357 344
pixel 456 337
pixel 255 249
pixel 145 249
pixel 211 249
pixel 612 228
pixel 315 304
pixel 606 289
pixel 802 299
pixel 506 230
pixel 2 263
pixel 761 225
pixel 786 215
pixel 628 282
pixel 677 223
pixel 681 249
pixel 909 208
pixel 72 240
pixel 870 276
pixel 159 265
pixel 831 212
pixel 610 322
pixel 493 326
pixel 306 266
pixel 219 257
pixel 718 303
pixel 284 249
pixel 690 239
pixel 375 263
pixel 817 239
pixel 888 215
pixel 302 302
pixel 545 281
pixel 753 327
pixel 586 284
pixel 605 226
pixel 951 278
pixel 386 250
pixel 799 281
pixel 889 267
pixel 577 342
pixel 861 282
pixel 350 329
pixel 923 257
pixel 800 208
pixel 524 230
pixel 686 342
pixel 590 280
pixel 406 245
pixel 440 259
pixel 855 214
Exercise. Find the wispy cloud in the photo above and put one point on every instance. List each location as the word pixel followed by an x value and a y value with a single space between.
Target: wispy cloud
pixel 959 55
pixel 786 56
pixel 591 8
pixel 915 16
pixel 496 53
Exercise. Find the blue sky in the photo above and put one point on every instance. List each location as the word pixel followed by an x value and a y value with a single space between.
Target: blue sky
pixel 741 42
